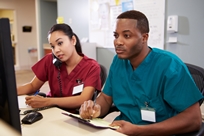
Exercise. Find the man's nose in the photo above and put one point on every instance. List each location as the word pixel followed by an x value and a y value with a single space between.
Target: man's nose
pixel 118 41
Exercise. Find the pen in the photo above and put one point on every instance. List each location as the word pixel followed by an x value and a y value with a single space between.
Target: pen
pixel 95 95
pixel 37 92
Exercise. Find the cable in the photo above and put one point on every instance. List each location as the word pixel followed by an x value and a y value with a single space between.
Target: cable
pixel 60 83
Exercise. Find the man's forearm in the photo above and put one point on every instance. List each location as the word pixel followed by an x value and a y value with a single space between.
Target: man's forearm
pixel 184 122
pixel 104 103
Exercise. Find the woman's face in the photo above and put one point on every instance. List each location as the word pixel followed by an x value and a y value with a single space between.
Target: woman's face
pixel 62 46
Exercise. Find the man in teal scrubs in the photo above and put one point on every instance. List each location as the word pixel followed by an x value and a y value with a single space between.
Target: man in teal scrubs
pixel 152 88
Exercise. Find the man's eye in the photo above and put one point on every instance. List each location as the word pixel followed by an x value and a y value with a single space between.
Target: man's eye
pixel 115 35
pixel 127 36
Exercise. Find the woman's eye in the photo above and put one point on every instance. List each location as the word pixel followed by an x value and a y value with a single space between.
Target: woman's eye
pixel 52 47
pixel 60 43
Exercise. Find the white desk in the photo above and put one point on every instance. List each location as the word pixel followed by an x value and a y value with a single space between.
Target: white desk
pixel 6 130
pixel 54 123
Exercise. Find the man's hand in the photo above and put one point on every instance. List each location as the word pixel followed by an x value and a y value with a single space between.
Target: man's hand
pixel 89 110
pixel 126 127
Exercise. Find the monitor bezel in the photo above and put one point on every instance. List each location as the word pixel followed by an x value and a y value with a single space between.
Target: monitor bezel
pixel 8 91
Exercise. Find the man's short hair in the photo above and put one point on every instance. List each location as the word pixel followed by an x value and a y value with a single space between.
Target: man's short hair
pixel 142 21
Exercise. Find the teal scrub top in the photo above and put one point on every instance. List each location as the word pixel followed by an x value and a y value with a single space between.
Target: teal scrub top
pixel 162 81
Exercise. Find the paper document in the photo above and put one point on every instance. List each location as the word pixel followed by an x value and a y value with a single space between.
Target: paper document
pixel 95 122
pixel 21 102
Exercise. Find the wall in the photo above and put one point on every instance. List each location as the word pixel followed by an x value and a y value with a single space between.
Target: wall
pixel 76 14
pixel 190 34
pixel 48 16
pixel 105 56
pixel 80 25
pixel 7 13
pixel 25 15
pixel 25 11
pixel 190 30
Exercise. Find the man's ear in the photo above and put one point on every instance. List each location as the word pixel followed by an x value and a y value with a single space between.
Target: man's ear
pixel 145 37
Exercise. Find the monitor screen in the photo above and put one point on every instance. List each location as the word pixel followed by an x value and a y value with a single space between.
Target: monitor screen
pixel 9 111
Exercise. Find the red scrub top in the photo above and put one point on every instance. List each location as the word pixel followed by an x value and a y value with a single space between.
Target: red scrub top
pixel 87 72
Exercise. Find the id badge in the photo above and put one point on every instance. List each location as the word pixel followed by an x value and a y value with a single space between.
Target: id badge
pixel 148 114
pixel 77 89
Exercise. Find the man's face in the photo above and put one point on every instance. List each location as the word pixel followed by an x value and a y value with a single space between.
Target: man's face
pixel 129 41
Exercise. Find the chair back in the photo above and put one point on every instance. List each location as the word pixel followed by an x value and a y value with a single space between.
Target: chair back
pixel 103 75
pixel 197 74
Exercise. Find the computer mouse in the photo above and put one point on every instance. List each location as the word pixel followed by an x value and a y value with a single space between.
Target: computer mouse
pixel 27 111
pixel 32 117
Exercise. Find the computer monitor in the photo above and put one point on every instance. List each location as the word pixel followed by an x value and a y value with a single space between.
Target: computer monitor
pixel 9 111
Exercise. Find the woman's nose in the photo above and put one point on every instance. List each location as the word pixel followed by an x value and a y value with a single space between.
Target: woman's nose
pixel 56 49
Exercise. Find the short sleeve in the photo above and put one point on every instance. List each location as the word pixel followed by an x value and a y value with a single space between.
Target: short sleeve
pixel 41 67
pixel 93 77
pixel 180 89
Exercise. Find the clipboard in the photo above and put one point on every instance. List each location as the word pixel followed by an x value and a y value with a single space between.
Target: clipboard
pixel 95 122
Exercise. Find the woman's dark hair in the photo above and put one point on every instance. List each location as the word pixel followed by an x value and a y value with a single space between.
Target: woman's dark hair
pixel 67 30
pixel 142 21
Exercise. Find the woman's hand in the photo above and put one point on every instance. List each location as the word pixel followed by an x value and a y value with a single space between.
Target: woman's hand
pixel 89 110
pixel 36 101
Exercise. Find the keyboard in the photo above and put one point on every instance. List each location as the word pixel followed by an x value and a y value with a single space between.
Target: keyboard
pixel 37 109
